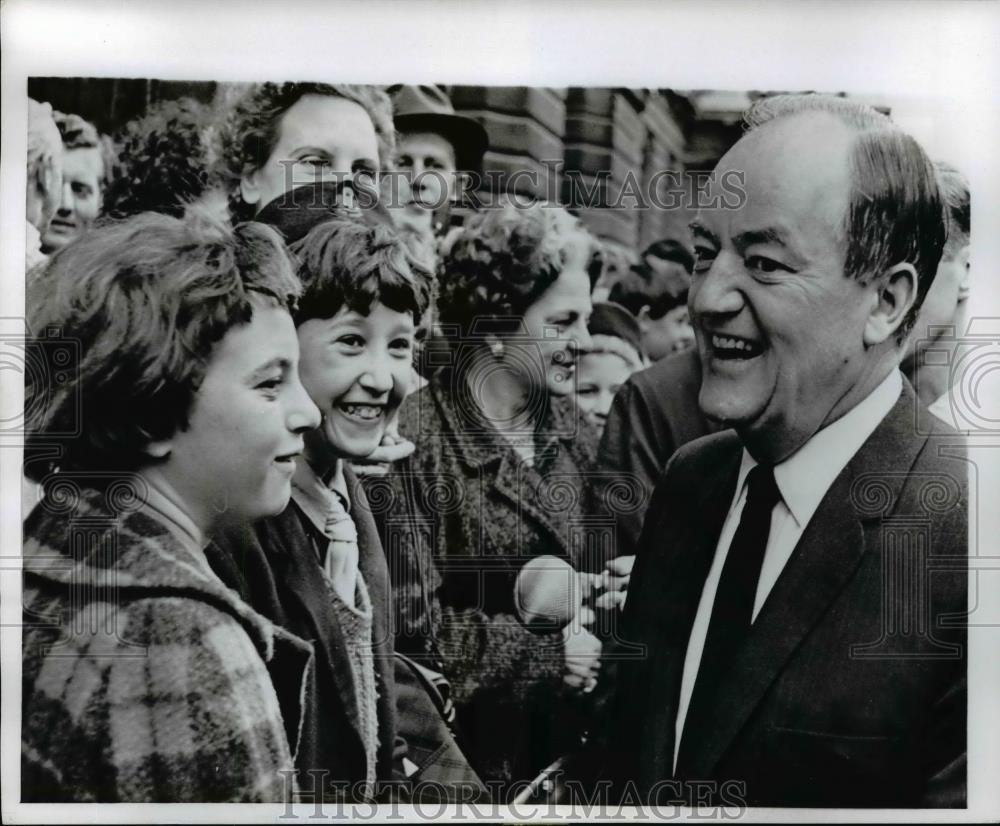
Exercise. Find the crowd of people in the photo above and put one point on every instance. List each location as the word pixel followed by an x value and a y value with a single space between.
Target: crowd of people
pixel 378 495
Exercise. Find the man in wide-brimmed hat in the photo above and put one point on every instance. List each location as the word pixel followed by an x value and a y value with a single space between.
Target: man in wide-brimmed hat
pixel 435 146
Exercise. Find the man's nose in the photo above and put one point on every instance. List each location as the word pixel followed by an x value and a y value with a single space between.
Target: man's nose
pixel 716 292
pixel 66 203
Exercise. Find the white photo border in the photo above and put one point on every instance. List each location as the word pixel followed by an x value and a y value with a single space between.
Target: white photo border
pixel 921 57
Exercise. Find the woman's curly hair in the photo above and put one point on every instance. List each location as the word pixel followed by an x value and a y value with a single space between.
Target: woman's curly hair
pixel 501 263
pixel 164 160
pixel 250 127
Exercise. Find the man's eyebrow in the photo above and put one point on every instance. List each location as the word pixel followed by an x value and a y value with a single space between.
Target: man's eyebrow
pixel 768 235
pixel 258 373
pixel 701 231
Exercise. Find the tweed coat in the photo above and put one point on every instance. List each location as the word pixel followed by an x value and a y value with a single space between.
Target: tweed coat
pixel 273 566
pixel 459 518
pixel 144 678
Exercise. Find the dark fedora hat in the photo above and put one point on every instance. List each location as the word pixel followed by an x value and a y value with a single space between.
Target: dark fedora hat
pixel 428 109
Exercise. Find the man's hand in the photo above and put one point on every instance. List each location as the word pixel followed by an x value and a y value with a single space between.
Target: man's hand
pixel 583 655
pixel 615 579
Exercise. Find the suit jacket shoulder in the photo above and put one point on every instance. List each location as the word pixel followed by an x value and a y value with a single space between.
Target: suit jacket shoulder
pixel 850 689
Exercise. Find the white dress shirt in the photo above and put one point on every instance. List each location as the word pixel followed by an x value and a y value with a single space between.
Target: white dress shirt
pixel 941 409
pixel 802 479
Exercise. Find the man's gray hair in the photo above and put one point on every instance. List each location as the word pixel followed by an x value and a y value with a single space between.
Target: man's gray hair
pixel 858 116
pixel 894 213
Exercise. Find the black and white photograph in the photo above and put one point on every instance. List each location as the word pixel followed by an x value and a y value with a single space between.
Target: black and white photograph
pixel 543 412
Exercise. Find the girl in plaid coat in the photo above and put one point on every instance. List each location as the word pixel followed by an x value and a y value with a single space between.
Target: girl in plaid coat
pixel 165 405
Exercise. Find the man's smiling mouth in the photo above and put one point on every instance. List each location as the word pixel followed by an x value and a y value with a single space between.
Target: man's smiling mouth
pixel 734 347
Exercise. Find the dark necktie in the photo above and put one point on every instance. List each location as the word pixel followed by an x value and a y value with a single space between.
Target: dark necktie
pixel 733 608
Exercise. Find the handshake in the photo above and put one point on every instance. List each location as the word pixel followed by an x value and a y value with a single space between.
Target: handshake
pixel 550 595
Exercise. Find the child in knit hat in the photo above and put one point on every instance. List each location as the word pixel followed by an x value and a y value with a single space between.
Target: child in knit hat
pixel 614 357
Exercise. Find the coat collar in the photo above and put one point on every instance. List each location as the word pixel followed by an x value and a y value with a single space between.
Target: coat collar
pixel 293 557
pixel 475 440
pixel 126 547
pixel 823 562
pixel 485 453
pixel 129 553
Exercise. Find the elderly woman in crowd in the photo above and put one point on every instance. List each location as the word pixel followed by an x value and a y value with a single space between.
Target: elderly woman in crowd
pixel 166 405
pixel 497 480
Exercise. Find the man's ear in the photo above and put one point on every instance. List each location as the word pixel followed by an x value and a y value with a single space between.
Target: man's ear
pixel 159 449
pixel 250 188
pixel 965 284
pixel 896 290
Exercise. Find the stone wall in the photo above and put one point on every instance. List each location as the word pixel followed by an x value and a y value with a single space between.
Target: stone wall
pixel 596 150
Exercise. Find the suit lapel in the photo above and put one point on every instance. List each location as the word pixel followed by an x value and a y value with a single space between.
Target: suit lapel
pixel 823 563
pixel 693 531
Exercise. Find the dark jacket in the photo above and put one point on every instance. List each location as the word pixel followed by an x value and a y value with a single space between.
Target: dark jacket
pixel 459 518
pixel 274 567
pixel 654 413
pixel 851 687
pixel 144 679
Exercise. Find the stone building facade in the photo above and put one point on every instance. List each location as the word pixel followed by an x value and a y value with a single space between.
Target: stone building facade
pixel 615 157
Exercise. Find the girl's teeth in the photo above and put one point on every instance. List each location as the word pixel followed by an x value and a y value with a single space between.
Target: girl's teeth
pixel 363 411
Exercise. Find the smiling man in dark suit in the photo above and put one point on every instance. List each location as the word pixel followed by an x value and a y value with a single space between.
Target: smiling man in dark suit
pixel 800 580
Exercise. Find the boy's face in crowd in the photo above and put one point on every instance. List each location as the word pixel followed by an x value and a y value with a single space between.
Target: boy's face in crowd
pixel 599 377
pixel 357 370
pixel 556 325
pixel 670 333
pixel 82 170
pixel 944 300
pixel 321 139
pixel 234 461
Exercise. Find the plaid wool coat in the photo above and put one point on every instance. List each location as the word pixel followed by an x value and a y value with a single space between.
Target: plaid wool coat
pixel 144 678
